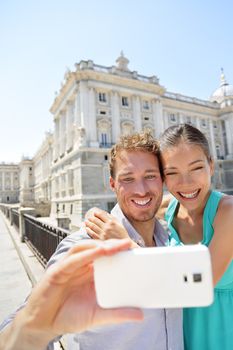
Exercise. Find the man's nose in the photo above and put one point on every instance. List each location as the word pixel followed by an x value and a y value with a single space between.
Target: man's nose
pixel 141 188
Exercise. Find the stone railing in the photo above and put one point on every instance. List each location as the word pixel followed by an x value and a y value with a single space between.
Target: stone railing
pixel 41 237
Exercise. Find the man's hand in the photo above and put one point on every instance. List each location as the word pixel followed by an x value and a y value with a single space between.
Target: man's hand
pixel 102 225
pixel 64 301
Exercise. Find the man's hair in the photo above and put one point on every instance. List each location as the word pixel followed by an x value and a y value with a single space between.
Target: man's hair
pixel 143 142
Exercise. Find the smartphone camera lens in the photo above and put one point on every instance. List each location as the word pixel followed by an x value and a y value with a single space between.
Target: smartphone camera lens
pixel 197 277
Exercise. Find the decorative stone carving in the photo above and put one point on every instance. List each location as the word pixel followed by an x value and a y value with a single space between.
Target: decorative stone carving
pixel 81 136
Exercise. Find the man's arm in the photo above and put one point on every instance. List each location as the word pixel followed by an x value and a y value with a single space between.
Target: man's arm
pixel 64 301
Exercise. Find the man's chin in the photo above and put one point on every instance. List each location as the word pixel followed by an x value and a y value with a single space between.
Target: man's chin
pixel 142 218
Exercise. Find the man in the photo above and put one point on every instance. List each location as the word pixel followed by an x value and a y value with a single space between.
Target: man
pixel 136 180
pixel 65 301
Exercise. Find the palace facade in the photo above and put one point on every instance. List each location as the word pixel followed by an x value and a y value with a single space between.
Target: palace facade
pixel 97 104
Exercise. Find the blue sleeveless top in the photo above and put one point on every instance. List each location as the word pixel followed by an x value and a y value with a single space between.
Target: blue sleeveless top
pixel 207 328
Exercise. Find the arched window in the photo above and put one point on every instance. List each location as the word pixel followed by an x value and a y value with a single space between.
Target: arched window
pixel 148 128
pixel 127 128
pixel 104 133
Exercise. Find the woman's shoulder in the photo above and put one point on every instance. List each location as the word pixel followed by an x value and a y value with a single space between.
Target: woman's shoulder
pixel 225 208
pixel 164 205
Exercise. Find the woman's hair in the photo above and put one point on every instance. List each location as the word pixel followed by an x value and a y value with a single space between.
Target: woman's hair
pixel 187 133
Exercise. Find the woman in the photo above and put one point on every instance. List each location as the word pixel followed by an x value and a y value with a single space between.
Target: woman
pixel 196 214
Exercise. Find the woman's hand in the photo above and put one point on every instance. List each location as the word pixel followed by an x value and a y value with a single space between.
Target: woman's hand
pixel 102 225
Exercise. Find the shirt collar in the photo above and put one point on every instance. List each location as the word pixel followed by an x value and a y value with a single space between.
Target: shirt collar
pixel 160 234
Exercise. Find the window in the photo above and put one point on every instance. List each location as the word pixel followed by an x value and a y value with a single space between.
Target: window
pixel 218 152
pixel 127 128
pixel 188 120
pixel 104 139
pixel 102 97
pixel 215 125
pixel 125 101
pixel 103 112
pixel 203 123
pixel 173 117
pixel 146 105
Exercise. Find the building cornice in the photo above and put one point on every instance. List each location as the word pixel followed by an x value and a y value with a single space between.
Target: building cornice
pixel 86 71
pixel 196 108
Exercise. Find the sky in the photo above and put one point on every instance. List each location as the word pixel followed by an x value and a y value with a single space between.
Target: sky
pixel 184 43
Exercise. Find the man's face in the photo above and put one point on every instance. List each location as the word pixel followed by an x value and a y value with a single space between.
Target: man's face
pixel 137 184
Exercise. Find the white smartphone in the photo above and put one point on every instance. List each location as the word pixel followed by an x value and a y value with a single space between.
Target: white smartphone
pixel 155 278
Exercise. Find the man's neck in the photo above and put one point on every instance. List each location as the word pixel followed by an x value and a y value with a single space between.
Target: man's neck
pixel 146 231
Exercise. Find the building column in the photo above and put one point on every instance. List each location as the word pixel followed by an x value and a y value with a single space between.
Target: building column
pixel 158 117
pixel 92 118
pixel 83 130
pixel 56 139
pixel 12 182
pixel 3 181
pixel 198 123
pixel 62 133
pixel 77 119
pixel 212 141
pixel 229 138
pixel 137 117
pixel 69 125
pixel 116 127
pixel 181 120
pixel 84 122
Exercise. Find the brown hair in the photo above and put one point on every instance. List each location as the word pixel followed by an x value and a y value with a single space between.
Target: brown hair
pixel 173 135
pixel 144 142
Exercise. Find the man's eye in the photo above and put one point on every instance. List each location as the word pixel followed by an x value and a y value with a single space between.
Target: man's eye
pixel 169 174
pixel 150 177
pixel 127 179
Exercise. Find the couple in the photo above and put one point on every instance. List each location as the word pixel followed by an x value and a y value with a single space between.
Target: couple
pixel 64 301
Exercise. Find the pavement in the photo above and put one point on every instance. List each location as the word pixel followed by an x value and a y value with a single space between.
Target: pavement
pixel 19 270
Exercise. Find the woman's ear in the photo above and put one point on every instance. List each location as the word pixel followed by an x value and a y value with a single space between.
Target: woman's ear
pixel 211 162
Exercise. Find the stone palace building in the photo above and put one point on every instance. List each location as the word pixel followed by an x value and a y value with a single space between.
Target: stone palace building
pixel 9 183
pixel 97 104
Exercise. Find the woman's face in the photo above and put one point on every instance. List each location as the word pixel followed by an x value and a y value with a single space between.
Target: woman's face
pixel 187 174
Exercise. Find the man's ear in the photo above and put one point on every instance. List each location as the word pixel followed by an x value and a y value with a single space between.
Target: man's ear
pixel 112 183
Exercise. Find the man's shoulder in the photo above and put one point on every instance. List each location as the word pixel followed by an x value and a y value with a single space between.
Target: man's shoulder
pixel 67 243
pixel 161 232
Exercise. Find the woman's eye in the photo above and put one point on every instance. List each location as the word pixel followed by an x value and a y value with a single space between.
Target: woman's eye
pixel 169 174
pixel 198 168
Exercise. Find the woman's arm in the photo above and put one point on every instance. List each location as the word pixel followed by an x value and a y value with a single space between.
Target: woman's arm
pixel 221 246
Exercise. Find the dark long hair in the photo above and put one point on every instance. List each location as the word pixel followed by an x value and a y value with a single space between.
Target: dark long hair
pixel 173 135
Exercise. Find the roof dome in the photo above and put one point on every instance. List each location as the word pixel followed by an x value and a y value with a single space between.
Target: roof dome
pixel 225 91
